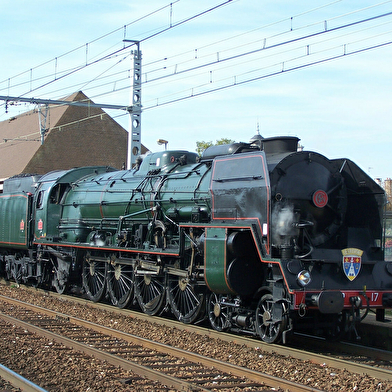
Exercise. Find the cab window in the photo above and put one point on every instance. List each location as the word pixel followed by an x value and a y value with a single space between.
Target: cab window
pixel 40 199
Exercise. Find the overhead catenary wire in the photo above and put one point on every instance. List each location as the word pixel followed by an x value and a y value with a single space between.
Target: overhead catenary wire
pixel 68 72
pixel 288 30
pixel 242 54
pixel 285 51
pixel 235 82
pixel 243 34
pixel 91 62
pixel 221 60
pixel 267 47
pixel 122 28
pixel 76 69
pixel 7 142
pixel 119 81
pixel 282 70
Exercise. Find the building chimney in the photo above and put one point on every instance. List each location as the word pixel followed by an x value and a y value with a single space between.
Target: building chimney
pixel 388 188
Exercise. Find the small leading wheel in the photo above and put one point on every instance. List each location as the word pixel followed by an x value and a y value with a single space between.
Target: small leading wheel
pixel 94 278
pixel 150 293
pixel 218 313
pixel 185 300
pixel 270 331
pixel 120 284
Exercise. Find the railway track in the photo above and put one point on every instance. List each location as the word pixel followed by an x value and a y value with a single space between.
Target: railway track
pixel 310 351
pixel 168 365
pixel 17 381
pixel 134 321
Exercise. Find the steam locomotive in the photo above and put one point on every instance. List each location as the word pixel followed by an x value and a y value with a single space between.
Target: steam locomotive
pixel 257 238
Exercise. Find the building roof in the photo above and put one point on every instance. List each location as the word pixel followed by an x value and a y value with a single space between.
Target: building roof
pixel 76 136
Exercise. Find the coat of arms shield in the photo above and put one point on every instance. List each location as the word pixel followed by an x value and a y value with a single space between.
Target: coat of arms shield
pixel 351 262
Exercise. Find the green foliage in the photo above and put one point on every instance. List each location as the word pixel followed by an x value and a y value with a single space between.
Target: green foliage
pixel 202 145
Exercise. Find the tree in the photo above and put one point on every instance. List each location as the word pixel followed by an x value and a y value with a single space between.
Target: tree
pixel 201 146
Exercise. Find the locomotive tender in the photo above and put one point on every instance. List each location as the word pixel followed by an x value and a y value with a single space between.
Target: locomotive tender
pixel 258 238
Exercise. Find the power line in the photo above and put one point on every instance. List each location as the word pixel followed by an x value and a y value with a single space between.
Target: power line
pixel 36 101
pixel 92 62
pixel 283 70
pixel 324 23
pixel 306 50
pixel 115 79
pixel 246 33
pixel 272 46
pixel 71 71
pixel 186 20
pixel 122 28
pixel 248 53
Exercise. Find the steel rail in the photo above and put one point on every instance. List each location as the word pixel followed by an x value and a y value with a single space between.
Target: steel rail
pixel 19 381
pixel 235 370
pixel 349 348
pixel 114 360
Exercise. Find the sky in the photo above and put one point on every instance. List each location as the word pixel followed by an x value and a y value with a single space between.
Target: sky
pixel 318 70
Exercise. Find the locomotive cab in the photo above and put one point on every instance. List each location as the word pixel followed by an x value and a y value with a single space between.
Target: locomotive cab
pixel 15 211
pixel 49 196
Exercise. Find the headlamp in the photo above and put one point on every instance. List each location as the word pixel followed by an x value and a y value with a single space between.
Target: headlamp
pixel 303 278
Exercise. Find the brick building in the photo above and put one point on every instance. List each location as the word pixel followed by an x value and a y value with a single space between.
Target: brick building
pixel 76 136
